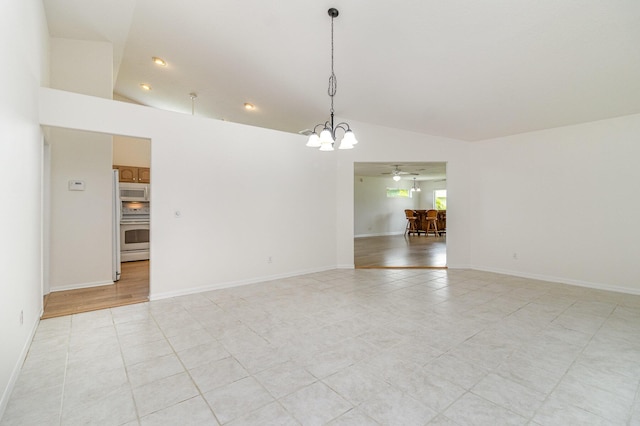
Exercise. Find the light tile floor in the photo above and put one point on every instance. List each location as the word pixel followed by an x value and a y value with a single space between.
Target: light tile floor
pixel 344 347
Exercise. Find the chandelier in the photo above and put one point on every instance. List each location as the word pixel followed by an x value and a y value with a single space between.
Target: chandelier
pixel 327 137
pixel 414 189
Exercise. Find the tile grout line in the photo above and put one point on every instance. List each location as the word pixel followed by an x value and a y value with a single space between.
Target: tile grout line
pixel 186 370
pixel 126 370
pixel 66 368
pixel 572 362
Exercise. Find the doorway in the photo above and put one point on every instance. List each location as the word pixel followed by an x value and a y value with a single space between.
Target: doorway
pixel 80 245
pixel 382 193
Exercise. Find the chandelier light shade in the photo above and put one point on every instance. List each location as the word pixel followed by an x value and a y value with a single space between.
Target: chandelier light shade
pixel 327 138
pixel 415 189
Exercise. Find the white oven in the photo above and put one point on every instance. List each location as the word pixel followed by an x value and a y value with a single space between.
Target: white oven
pixel 134 241
pixel 134 230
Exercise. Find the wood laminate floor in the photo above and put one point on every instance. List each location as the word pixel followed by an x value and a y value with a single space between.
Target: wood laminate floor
pixel 133 287
pixel 400 251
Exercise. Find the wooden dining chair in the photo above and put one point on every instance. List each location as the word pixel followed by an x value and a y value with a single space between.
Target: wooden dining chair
pixel 432 222
pixel 411 222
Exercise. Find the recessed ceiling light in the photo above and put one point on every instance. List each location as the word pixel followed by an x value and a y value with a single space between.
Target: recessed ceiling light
pixel 249 106
pixel 145 86
pixel 159 61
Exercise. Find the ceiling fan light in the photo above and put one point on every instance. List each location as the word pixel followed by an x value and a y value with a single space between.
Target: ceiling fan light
pixel 314 141
pixel 396 178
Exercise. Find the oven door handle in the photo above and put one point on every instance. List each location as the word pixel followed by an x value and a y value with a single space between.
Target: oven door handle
pixel 146 195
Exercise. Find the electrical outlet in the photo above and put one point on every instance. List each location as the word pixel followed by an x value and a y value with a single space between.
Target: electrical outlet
pixel 269 259
pixel 515 256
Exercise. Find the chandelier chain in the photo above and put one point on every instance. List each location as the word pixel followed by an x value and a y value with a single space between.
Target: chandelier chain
pixel 333 82
pixel 327 137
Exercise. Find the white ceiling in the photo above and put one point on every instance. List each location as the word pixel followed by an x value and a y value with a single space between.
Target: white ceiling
pixel 463 69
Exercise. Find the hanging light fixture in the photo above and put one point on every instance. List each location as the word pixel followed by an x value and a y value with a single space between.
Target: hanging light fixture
pixel 193 96
pixel 327 137
pixel 415 189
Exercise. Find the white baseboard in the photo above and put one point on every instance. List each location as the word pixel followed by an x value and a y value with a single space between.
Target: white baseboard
pixel 380 234
pixel 229 284
pixel 351 266
pixel 560 280
pixel 17 367
pixel 81 285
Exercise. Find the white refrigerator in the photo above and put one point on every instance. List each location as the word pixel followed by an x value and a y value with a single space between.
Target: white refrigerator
pixel 117 205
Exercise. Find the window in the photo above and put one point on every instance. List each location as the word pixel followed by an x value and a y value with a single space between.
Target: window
pixel 440 199
pixel 397 193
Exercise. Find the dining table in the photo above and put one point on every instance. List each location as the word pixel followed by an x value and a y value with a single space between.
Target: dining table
pixel 421 222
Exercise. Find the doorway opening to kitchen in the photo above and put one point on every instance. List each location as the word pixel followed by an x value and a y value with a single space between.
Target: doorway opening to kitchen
pixel 391 227
pixel 86 267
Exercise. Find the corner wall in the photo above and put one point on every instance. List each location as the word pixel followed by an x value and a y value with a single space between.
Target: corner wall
pixel 564 201
pixel 233 187
pixel 24 45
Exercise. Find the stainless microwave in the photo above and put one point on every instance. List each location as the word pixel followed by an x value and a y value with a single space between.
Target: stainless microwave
pixel 134 191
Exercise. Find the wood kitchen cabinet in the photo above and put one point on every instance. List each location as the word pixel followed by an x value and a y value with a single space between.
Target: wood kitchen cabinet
pixel 134 174
pixel 144 175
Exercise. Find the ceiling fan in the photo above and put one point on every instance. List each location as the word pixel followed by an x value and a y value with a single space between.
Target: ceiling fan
pixel 397 172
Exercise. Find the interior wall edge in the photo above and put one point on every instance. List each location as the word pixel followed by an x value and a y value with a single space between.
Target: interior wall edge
pixel 347 266
pixel 13 378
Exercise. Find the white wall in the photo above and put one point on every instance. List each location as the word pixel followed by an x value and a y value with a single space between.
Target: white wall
pixel 564 200
pixel 82 66
pixel 233 186
pixel 425 199
pixel 393 145
pixel 81 227
pixel 374 213
pixel 128 151
pixel 23 45
pixel 81 221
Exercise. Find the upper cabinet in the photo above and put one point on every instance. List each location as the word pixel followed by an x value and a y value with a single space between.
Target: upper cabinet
pixel 144 175
pixel 134 174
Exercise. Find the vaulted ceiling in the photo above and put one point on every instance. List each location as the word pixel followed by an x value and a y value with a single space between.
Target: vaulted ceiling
pixel 462 69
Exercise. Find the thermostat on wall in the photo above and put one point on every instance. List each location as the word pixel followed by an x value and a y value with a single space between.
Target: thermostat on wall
pixel 76 185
